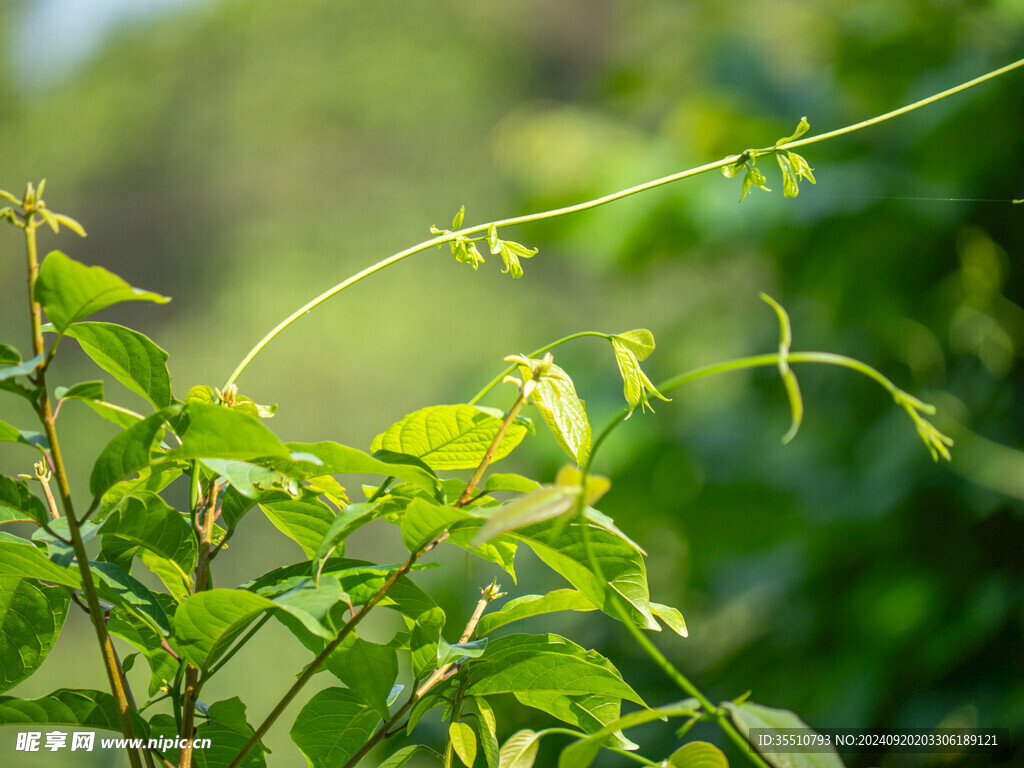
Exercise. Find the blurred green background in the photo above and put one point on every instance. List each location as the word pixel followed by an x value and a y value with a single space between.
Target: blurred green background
pixel 242 156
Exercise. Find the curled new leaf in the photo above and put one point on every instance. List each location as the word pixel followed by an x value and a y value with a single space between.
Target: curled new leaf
pixel 801 129
pixel 794 167
pixel 511 252
pixel 630 348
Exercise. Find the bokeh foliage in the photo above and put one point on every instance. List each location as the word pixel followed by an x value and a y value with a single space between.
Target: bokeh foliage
pixel 232 156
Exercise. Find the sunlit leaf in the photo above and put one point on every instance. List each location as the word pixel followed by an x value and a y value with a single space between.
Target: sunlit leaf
pixel 128 356
pixel 70 291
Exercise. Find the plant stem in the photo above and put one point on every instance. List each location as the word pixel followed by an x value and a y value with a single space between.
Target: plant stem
pixel 202 578
pixel 487 595
pixel 315 665
pixel 479 472
pixel 45 413
pixel 594 203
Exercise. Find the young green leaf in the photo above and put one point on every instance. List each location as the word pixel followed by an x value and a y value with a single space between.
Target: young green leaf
pixel 697 754
pixel 749 715
pixel 128 356
pixel 487 728
pixel 332 727
pixel 509 482
pixel 450 436
pixel 402 756
pixel 463 742
pixel 802 127
pixel 580 754
pixel 520 749
pixel 636 385
pixel 31 617
pixel 70 291
pixel 555 396
pixel 672 617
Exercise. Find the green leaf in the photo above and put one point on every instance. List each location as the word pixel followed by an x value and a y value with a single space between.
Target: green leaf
pixel 305 521
pixel 580 754
pixel 129 452
pixel 20 558
pixel 450 436
pixel 118 587
pixel 544 664
pixel 215 432
pixel 18 504
pixel 520 749
pixel 423 522
pixel 563 411
pixel 636 385
pixel 31 617
pixel 70 291
pixel 749 715
pixel 129 357
pixel 67 706
pixel 488 730
pixel 205 623
pixel 564 550
pixel 351 518
pixel 332 727
pixel 9 434
pixel 158 535
pixel 91 393
pixel 527 606
pixel 340 459
pixel 402 756
pixel 464 742
pixel 538 505
pixel 8 356
pixel 509 482
pixel 367 669
pixel 697 754
pixel 228 731
pixel 640 342
pixel 452 652
pixel 671 616
pixel 20 368
pixel 163 667
pixel 252 480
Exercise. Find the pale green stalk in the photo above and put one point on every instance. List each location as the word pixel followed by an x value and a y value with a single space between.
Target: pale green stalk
pixel 594 203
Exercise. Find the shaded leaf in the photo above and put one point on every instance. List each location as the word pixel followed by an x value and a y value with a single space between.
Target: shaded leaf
pixel 20 558
pixel 67 706
pixel 367 669
pixel 332 727
pixel 31 617
pixel 129 452
pixel 339 459
pixel 18 504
